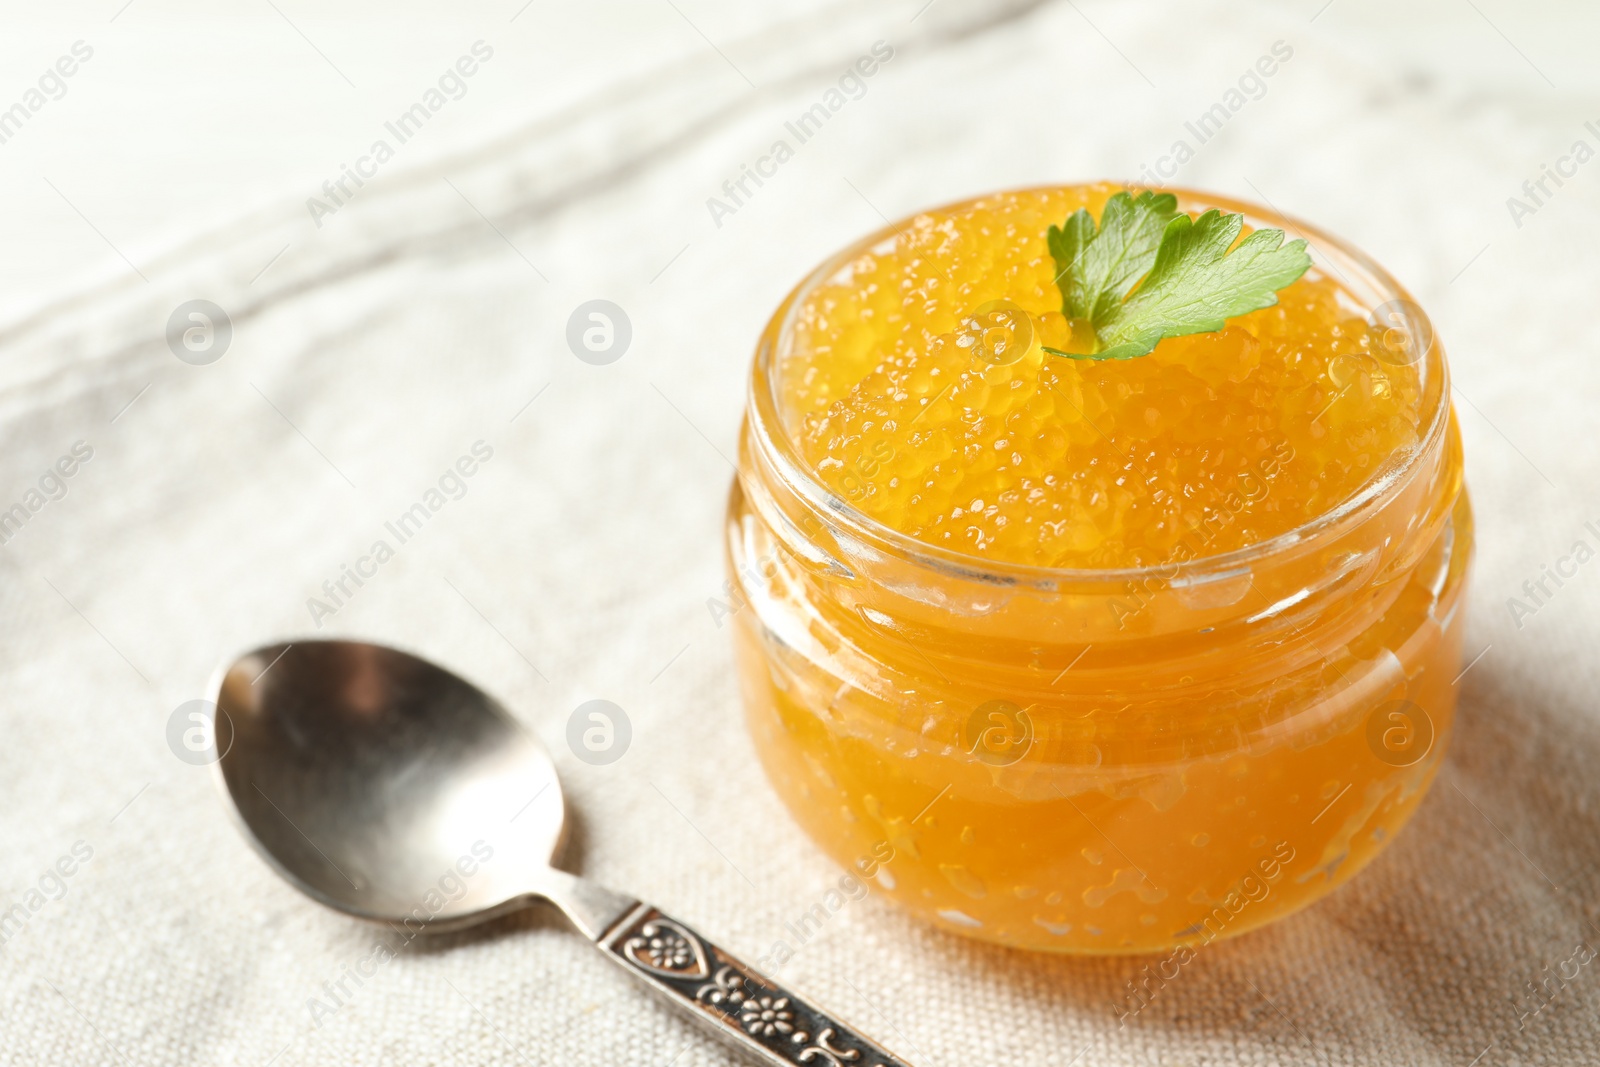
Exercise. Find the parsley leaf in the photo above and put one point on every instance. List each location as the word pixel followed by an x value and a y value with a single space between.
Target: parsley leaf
pixel 1095 270
pixel 1191 282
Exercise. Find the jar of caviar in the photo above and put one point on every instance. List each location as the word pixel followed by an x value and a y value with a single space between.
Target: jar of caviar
pixel 1095 656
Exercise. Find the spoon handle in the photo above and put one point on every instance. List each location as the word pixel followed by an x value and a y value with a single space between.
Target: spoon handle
pixel 732 998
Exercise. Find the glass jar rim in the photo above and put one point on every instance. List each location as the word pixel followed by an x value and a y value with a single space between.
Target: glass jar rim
pixel 772 436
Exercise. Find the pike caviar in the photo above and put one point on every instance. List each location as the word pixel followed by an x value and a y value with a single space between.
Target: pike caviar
pixel 1077 463
pixel 1104 656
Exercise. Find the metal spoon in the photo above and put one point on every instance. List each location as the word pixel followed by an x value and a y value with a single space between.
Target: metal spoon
pixel 390 789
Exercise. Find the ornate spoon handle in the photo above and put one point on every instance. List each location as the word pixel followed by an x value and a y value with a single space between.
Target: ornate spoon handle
pixel 763 1019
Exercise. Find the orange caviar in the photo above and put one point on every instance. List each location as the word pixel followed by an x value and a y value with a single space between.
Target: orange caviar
pixel 1076 463
pixel 1111 656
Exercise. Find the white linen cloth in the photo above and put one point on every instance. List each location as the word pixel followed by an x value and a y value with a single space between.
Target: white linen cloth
pixel 429 313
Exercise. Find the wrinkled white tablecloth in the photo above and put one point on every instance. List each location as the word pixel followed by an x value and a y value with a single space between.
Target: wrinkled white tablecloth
pixel 429 313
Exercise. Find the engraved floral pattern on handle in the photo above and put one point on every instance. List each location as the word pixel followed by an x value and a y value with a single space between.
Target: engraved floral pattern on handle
pixel 733 999
pixel 663 947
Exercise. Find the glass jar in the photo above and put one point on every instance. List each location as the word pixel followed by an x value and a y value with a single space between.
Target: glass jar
pixel 1105 761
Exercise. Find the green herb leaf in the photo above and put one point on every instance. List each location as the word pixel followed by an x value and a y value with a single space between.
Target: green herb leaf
pixel 1095 270
pixel 1196 284
pixel 1191 282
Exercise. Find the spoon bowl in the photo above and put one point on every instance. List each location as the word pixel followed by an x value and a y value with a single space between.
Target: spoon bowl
pixel 382 785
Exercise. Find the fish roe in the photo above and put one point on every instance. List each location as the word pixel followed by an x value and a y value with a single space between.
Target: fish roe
pixel 902 407
pixel 1089 656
